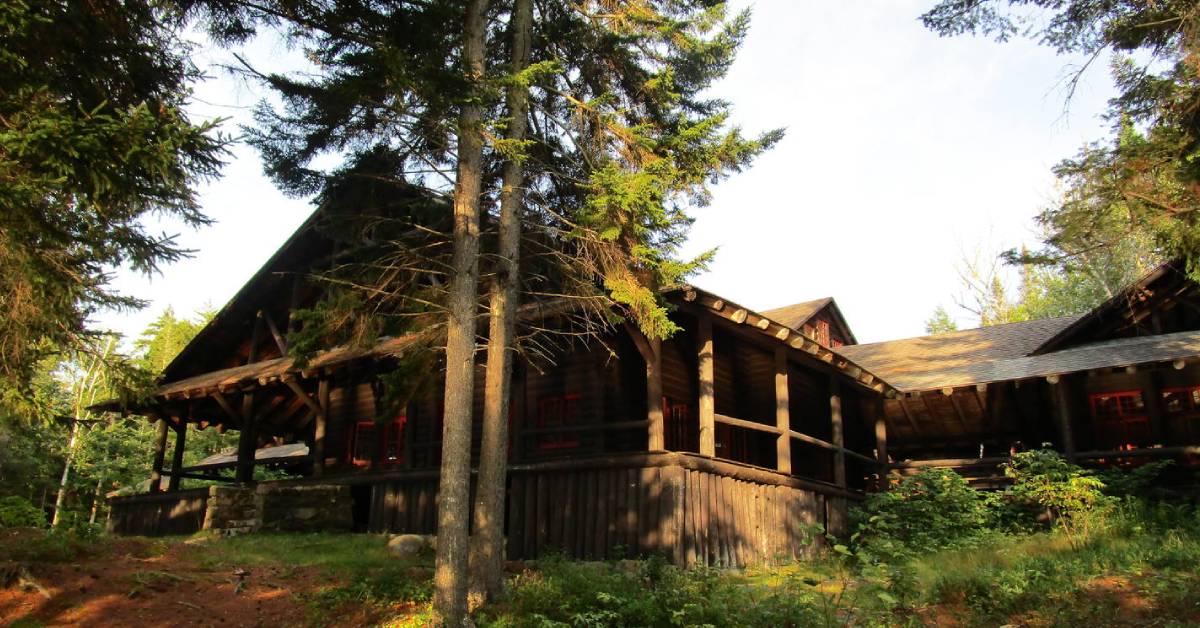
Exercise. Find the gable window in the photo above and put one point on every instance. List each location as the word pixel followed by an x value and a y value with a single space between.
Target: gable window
pixel 823 332
pixel 560 411
pixel 1120 419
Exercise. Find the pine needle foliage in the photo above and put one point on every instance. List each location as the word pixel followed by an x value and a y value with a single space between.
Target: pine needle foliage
pixel 93 140
pixel 622 144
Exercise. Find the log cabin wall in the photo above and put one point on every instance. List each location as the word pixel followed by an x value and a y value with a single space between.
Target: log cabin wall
pixel 180 512
pixel 688 508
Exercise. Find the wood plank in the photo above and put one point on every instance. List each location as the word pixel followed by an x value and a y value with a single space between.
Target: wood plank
pixel 600 545
pixel 632 489
pixel 530 517
pixel 516 521
pixel 542 514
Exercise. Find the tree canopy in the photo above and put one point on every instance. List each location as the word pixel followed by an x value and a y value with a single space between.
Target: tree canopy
pixel 94 139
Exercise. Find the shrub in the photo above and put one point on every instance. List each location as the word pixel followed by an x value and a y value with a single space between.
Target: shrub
pixel 17 512
pixel 1072 496
pixel 931 510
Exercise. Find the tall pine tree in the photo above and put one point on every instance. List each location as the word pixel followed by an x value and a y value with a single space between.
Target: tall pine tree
pixel 620 145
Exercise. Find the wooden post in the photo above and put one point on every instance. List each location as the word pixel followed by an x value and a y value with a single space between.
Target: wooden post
pixel 783 415
pixel 881 454
pixel 707 409
pixel 654 406
pixel 247 442
pixel 318 452
pixel 177 457
pixel 1062 400
pixel 160 452
pixel 1152 394
pixel 837 431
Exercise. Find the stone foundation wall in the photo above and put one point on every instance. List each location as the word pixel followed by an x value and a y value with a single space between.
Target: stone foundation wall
pixel 243 509
pixel 233 509
pixel 307 508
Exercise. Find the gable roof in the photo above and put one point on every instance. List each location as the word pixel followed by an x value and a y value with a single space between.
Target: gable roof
pixel 784 334
pixel 1124 302
pixel 953 358
pixel 797 314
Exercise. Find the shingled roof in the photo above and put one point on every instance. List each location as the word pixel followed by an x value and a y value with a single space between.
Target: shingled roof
pixel 952 359
pixel 797 314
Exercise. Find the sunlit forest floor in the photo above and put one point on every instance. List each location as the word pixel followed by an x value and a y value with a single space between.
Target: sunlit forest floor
pixel 1127 579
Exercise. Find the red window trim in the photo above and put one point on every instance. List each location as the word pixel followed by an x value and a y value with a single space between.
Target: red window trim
pixel 1121 418
pixel 393 429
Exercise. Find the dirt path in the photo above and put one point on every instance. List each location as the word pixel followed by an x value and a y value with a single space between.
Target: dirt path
pixel 127 585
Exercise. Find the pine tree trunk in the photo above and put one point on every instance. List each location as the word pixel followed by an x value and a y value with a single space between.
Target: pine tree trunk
pixel 450 571
pixel 487 543
pixel 66 475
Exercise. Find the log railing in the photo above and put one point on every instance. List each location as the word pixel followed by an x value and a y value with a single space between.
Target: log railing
pixel 800 436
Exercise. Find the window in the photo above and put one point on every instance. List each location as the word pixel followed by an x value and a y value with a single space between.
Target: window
pixel 823 332
pixel 366 433
pixel 558 412
pixel 1181 400
pixel 363 441
pixel 1182 407
pixel 1120 419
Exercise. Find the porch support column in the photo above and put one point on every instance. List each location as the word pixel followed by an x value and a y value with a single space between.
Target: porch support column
pixel 160 452
pixel 654 406
pixel 177 457
pixel 706 408
pixel 783 416
pixel 247 441
pixel 881 453
pixel 319 425
pixel 1152 394
pixel 651 352
pixel 837 431
pixel 1062 402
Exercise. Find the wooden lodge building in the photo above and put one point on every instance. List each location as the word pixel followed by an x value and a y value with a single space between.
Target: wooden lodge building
pixel 720 445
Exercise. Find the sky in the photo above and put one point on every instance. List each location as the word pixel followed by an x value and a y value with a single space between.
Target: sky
pixel 904 153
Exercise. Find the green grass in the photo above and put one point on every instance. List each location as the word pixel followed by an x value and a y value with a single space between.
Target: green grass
pixel 360 570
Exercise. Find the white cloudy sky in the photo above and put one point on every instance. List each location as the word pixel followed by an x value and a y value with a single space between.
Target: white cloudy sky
pixel 903 152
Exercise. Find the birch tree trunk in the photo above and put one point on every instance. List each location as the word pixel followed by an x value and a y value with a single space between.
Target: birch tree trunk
pixel 66 474
pixel 96 501
pixel 487 543
pixel 450 570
